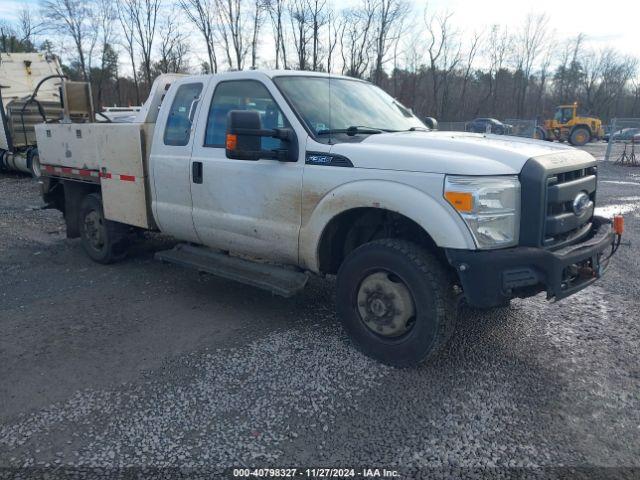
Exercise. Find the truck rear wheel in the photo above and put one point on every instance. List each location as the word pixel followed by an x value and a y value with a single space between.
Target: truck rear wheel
pixel 103 240
pixel 396 301
pixel 579 136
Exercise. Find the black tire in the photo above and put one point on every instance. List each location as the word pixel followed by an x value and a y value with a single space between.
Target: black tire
pixel 540 134
pixel 431 291
pixel 579 136
pixel 104 241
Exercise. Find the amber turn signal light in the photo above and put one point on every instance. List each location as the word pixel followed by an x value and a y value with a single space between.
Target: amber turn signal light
pixel 232 141
pixel 461 201
pixel 618 224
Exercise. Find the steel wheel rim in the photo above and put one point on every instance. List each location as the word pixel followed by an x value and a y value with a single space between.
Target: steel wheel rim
pixel 35 166
pixel 385 304
pixel 94 229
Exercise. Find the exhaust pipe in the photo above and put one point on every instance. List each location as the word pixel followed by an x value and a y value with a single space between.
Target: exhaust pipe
pixel 28 162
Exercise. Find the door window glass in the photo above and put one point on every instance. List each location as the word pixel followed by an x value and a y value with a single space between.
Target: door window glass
pixel 178 129
pixel 568 115
pixel 243 95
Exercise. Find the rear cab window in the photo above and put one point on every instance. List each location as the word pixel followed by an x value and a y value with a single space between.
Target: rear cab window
pixel 177 131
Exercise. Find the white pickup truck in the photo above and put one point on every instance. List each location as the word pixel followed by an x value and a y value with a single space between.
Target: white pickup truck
pixel 268 176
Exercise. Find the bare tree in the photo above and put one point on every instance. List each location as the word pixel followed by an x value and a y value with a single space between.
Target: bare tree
pixel 356 39
pixel 201 13
pixel 301 27
pixel 276 10
pixel 105 17
pixel 635 105
pixel 232 29
pixel 319 18
pixel 172 47
pixel 569 72
pixel 606 75
pixel 543 78
pixel 434 71
pixel 144 17
pixel 334 33
pixel 388 16
pixel 128 30
pixel 72 18
pixel 496 50
pixel 529 44
pixel 466 71
pixel 257 24
pixel 29 26
pixel 444 56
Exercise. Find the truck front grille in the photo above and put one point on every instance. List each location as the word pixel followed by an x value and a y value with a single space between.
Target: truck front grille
pixel 562 225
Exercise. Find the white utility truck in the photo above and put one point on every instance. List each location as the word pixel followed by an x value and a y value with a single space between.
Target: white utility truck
pixel 267 176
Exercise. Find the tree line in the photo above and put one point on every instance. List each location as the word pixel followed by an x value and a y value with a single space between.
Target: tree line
pixel 419 56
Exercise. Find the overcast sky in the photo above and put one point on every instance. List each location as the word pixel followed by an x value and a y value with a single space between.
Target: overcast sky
pixel 615 23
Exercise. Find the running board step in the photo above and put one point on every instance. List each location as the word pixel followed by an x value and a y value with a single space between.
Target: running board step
pixel 276 279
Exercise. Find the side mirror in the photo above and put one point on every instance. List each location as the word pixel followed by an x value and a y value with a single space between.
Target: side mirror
pixel 431 122
pixel 244 138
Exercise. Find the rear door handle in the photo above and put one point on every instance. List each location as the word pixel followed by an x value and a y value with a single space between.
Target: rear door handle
pixel 196 172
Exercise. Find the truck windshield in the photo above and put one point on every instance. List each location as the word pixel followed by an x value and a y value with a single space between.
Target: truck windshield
pixel 345 107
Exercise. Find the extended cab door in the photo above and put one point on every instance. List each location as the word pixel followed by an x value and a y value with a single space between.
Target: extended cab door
pixel 246 206
pixel 170 159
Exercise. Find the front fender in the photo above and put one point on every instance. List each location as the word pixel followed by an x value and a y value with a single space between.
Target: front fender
pixel 434 215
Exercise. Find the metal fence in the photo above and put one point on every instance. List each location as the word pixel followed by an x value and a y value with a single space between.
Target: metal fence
pixel 623 141
pixel 520 127
pixel 452 126
pixel 515 126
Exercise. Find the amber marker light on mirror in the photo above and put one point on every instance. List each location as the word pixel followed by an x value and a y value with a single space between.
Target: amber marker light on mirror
pixel 232 141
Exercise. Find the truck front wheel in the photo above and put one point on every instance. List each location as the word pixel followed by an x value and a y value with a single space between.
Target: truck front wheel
pixel 396 301
pixel 103 240
pixel 539 134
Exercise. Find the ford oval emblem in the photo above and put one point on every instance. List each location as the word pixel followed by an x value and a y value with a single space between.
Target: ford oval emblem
pixel 581 203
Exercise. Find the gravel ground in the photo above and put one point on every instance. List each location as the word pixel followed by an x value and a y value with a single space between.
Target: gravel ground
pixel 145 365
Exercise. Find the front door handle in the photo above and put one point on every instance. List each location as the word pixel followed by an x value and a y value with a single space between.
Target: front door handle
pixel 196 172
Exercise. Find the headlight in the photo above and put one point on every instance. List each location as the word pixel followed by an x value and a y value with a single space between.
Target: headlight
pixel 490 206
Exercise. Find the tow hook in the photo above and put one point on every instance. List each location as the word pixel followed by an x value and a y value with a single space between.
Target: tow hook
pixel 587 272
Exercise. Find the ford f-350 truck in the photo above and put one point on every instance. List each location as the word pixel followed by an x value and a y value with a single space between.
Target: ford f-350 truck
pixel 267 176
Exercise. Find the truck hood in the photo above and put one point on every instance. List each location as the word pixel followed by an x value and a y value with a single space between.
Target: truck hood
pixel 458 153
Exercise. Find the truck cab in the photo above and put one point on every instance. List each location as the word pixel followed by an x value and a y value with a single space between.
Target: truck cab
pixel 310 173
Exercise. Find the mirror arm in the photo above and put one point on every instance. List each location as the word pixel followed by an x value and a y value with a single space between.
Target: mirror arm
pixel 253 132
pixel 285 134
pixel 279 133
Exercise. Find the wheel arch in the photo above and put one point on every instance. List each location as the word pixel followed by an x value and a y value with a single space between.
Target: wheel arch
pixel 374 204
pixel 66 196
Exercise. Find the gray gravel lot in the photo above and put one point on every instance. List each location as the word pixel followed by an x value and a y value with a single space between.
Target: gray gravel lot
pixel 142 364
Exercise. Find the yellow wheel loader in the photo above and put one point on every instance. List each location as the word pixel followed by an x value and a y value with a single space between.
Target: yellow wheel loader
pixel 569 126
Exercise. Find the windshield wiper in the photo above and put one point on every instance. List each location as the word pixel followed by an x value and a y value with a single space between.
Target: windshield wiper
pixel 355 130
